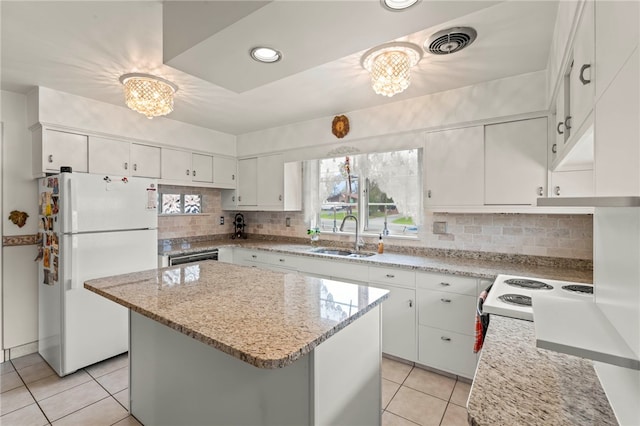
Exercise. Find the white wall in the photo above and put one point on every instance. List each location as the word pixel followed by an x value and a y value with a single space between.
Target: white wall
pixel 19 192
pixel 59 108
pixel 399 124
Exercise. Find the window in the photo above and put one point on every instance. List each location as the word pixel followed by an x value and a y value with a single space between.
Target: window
pixel 180 203
pixel 382 190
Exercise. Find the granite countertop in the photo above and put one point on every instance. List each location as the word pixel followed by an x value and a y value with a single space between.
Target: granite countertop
pixel 267 319
pixel 519 384
pixel 486 266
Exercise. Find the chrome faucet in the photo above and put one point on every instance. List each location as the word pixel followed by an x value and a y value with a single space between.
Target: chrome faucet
pixel 358 243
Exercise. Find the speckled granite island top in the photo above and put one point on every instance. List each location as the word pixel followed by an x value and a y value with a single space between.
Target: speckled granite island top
pixel 519 384
pixel 267 319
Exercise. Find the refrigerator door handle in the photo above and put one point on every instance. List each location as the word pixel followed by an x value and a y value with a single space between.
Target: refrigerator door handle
pixel 73 284
pixel 73 190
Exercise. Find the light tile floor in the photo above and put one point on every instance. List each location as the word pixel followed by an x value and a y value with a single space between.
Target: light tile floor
pixel 32 394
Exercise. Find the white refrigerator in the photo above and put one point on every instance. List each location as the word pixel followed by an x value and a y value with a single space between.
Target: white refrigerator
pixel 91 226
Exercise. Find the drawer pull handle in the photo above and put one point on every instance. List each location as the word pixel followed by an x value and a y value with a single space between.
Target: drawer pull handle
pixel 126 166
pixel 445 339
pixel 445 284
pixel 445 300
pixel 254 256
pixel 390 276
pixel 281 260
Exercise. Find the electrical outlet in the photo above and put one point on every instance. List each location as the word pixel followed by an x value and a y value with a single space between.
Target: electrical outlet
pixel 287 221
pixel 439 227
pixel 221 220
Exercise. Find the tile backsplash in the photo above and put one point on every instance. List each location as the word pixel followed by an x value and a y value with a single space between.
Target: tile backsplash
pixel 190 225
pixel 564 236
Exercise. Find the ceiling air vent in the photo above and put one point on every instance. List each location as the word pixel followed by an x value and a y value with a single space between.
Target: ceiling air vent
pixel 450 40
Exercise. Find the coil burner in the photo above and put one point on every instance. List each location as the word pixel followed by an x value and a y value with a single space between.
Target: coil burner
pixel 516 299
pixel 577 288
pixel 528 284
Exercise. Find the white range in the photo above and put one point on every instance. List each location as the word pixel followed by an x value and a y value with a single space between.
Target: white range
pixel 510 295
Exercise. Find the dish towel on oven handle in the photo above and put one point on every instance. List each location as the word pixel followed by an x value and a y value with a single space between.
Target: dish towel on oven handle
pixel 482 321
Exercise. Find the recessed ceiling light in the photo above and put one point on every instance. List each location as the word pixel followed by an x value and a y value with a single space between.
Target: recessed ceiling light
pixel 396 5
pixel 265 54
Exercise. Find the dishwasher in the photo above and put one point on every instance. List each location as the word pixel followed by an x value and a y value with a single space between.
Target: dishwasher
pixel 180 259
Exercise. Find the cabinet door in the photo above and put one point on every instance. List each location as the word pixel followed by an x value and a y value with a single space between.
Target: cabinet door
pixel 65 149
pixel 20 296
pixel 561 114
pixel 247 182
pixel 581 81
pixel 270 180
pixel 224 171
pixel 617 151
pixel 399 322
pixel 108 156
pixel 575 183
pixel 516 161
pixel 145 160
pixel 617 21
pixel 202 166
pixel 454 167
pixel 176 165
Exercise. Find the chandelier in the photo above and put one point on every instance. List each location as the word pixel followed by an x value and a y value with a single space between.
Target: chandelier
pixel 148 94
pixel 389 66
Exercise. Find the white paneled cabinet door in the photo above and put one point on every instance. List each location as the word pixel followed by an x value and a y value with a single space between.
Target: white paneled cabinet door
pixel 454 167
pixel 248 180
pixel 145 160
pixel 561 133
pixel 176 165
pixel 399 322
pixel 515 162
pixel 224 172
pixel 65 149
pixel 202 166
pixel 270 180
pixel 573 183
pixel 20 296
pixel 581 81
pixel 108 156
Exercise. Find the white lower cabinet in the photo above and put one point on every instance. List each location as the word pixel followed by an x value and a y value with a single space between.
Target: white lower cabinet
pixel 447 351
pixel 446 318
pixel 399 322
pixel 428 318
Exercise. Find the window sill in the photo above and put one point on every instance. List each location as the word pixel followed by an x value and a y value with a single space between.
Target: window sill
pixel 182 214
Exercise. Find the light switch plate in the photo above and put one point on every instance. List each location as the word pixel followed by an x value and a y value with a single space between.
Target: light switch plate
pixel 439 227
pixel 221 220
pixel 288 222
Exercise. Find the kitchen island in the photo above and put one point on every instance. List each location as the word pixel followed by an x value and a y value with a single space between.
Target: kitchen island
pixel 213 343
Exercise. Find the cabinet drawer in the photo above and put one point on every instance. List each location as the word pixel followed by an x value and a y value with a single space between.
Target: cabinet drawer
pixel 448 283
pixel 448 311
pixel 277 260
pixel 348 271
pixel 447 351
pixel 392 276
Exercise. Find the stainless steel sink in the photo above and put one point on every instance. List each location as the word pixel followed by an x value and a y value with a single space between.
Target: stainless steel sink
pixel 341 252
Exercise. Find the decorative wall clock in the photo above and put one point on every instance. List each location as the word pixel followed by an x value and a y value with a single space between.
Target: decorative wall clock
pixel 340 126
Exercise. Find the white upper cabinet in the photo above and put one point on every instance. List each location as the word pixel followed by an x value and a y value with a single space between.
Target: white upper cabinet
pixel 202 166
pixel 516 162
pixel 575 183
pixel 581 79
pixel 145 160
pixel 454 167
pixel 271 180
pixel 248 182
pixel 224 172
pixel 111 156
pixel 53 149
pixel 266 183
pixel 176 165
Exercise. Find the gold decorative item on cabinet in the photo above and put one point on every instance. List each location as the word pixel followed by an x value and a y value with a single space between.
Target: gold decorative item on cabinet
pixel 18 218
pixel 340 126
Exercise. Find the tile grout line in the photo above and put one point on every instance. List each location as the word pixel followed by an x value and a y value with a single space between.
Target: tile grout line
pixel 30 393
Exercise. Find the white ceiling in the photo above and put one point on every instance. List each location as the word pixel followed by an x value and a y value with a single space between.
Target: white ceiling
pixel 82 47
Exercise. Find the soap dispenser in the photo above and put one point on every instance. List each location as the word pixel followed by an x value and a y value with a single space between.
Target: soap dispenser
pixel 380 245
